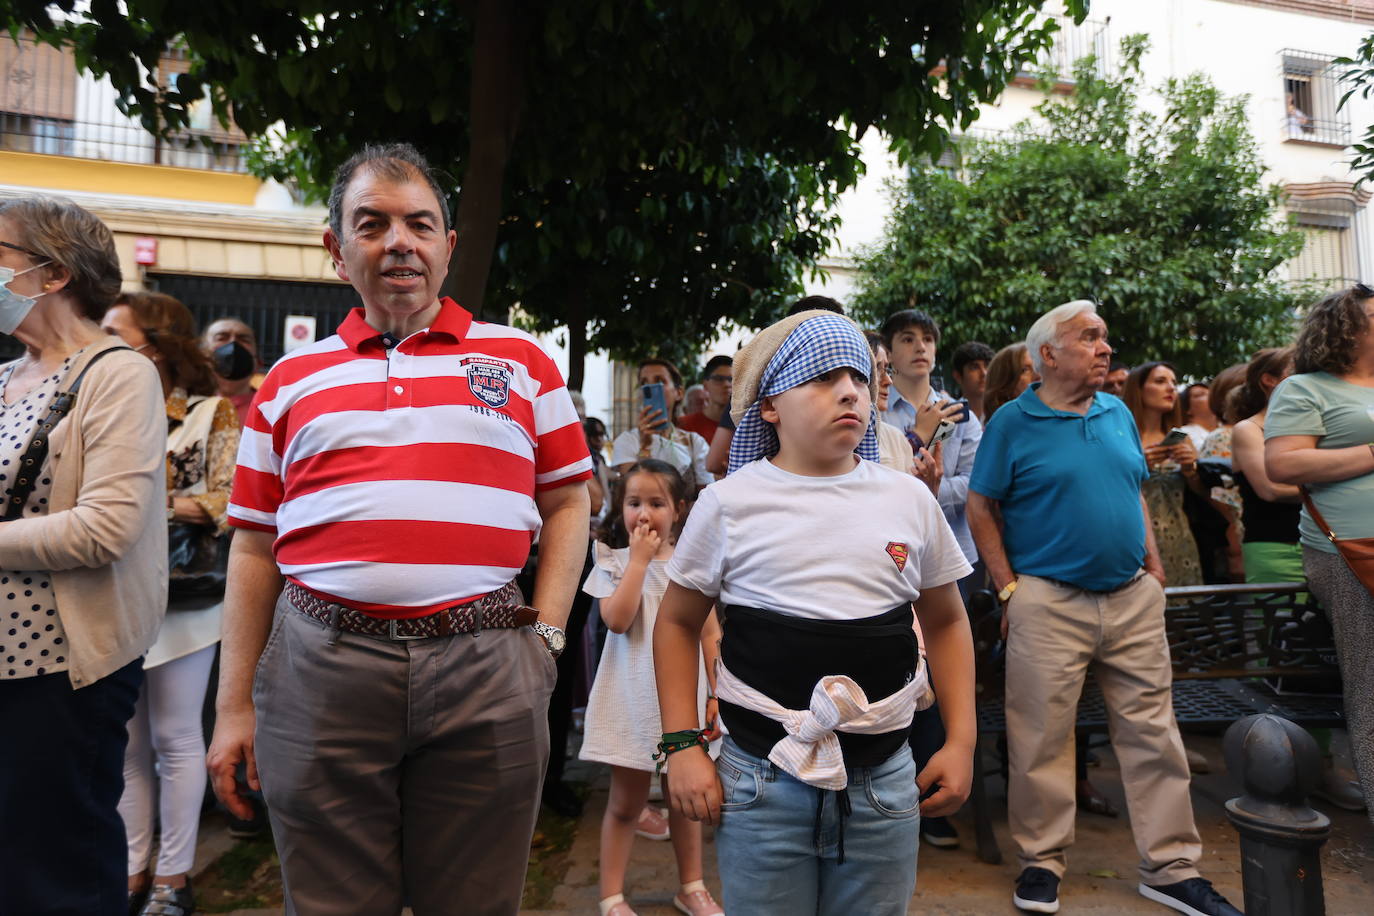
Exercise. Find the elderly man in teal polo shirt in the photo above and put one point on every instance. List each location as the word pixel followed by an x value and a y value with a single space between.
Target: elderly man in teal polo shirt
pixel 1076 567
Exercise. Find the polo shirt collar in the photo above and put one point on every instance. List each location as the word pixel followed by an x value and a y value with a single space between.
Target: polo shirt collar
pixel 453 321
pixel 1030 404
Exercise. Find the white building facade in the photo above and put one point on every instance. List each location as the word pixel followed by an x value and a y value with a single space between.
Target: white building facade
pixel 1272 51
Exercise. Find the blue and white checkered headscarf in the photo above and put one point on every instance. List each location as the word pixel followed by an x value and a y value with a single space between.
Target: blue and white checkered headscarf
pixel 817 345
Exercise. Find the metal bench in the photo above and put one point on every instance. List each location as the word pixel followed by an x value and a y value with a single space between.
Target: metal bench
pixel 1237 650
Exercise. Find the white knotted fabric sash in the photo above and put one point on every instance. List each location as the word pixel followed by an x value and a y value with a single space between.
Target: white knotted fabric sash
pixel 811 751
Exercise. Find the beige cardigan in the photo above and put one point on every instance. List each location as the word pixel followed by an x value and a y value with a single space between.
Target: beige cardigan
pixel 104 538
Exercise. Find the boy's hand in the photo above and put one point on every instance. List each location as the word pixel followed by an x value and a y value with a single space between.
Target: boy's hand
pixel 693 786
pixel 930 467
pixel 644 542
pixel 952 770
pixel 712 720
pixel 928 416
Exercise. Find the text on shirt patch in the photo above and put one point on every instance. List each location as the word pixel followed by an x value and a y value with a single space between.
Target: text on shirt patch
pixel 898 552
pixel 488 380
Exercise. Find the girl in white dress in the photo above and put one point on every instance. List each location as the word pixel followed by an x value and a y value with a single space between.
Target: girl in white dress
pixel 622 726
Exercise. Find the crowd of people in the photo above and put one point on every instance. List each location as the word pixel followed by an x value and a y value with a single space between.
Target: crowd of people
pixel 760 586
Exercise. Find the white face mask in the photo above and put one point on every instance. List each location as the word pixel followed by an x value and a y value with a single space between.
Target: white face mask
pixel 14 308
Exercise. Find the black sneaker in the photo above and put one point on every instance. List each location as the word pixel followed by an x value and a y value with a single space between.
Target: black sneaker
pixel 1195 897
pixel 1037 891
pixel 939 832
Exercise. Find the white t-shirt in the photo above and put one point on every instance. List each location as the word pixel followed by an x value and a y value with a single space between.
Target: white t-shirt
pixel 833 548
pixel 685 450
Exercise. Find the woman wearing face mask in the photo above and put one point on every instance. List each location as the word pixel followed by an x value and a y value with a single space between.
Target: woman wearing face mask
pixel 165 760
pixel 83 566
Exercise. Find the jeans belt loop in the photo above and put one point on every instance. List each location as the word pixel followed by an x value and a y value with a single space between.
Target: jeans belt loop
pixel 477 620
pixel 334 630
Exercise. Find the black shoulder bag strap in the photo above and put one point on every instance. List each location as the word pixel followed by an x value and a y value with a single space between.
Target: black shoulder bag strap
pixel 31 462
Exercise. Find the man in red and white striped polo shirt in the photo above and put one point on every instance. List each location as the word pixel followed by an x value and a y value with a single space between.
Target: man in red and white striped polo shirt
pixel 380 670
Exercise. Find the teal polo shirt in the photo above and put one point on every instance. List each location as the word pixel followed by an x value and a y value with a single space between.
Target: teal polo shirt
pixel 1069 489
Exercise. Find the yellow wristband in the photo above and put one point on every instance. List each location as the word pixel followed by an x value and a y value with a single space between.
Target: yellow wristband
pixel 1005 594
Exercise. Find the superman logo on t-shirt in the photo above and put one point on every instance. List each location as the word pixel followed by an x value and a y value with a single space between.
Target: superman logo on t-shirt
pixel 898 552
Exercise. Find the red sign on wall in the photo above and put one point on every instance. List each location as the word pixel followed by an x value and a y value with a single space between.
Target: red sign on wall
pixel 145 250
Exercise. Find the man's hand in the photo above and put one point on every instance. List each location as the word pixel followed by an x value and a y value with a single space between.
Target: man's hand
pixel 694 786
pixel 952 770
pixel 232 745
pixel 929 415
pixel 1155 568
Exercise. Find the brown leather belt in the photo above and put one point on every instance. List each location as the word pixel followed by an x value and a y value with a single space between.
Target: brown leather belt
pixel 501 609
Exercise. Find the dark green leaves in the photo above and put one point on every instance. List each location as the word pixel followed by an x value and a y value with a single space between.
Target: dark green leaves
pixel 1163 219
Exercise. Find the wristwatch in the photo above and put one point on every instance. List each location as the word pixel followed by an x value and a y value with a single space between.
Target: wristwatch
pixel 552 636
pixel 1005 594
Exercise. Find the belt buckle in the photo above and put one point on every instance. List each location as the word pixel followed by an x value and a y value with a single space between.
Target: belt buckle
pixel 392 632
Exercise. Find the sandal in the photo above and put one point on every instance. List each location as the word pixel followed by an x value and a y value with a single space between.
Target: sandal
pixel 652 825
pixel 615 906
pixel 165 900
pixel 697 903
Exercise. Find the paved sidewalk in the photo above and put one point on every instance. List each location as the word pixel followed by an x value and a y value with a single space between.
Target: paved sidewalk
pixel 1101 879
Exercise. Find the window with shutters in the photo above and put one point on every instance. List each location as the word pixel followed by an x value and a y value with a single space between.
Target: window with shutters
pixel 1327 255
pixel 47 107
pixel 37 98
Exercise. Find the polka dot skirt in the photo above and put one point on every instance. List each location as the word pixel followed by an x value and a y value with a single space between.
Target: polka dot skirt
pixel 32 641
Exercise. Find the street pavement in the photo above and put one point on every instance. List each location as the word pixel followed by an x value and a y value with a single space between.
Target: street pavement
pixel 1101 880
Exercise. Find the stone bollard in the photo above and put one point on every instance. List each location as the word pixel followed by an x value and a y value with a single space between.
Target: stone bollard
pixel 1278 765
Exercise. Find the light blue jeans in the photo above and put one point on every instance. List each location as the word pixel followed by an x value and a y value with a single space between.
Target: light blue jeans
pixel 778 842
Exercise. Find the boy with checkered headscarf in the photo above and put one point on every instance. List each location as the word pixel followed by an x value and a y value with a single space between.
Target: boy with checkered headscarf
pixel 814 554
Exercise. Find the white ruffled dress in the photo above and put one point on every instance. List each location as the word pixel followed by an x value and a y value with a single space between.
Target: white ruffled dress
pixel 622 725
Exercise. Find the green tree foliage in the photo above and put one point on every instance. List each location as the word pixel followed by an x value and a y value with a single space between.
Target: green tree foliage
pixel 679 122
pixel 1358 73
pixel 1158 214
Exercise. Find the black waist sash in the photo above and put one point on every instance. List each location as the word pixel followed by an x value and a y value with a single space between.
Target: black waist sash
pixel 784 656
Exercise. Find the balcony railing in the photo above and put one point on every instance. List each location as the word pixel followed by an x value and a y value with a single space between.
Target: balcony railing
pixel 1311 96
pixel 1072 43
pixel 48 107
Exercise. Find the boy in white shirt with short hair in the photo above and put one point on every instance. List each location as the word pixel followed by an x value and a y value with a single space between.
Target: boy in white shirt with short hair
pixel 814 574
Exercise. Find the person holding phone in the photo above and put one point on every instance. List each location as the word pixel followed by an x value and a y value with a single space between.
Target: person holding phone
pixel 656 435
pixel 934 423
pixel 1152 396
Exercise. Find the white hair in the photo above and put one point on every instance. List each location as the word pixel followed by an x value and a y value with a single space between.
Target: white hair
pixel 1046 328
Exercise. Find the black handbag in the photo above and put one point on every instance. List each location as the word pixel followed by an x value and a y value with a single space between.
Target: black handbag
pixel 197 563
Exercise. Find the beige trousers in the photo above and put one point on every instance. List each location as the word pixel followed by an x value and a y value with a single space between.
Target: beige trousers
pixel 405 771
pixel 1055 633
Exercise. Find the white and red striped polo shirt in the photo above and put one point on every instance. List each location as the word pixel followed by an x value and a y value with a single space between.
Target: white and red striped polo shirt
pixel 401 481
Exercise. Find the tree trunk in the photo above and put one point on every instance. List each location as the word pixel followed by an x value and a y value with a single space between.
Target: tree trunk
pixel 577 349
pixel 498 93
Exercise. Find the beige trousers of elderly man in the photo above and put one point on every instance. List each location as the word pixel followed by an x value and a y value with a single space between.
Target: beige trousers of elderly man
pixel 1054 634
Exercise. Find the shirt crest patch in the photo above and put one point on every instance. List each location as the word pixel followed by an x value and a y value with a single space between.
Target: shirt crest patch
pixel 898 552
pixel 489 382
